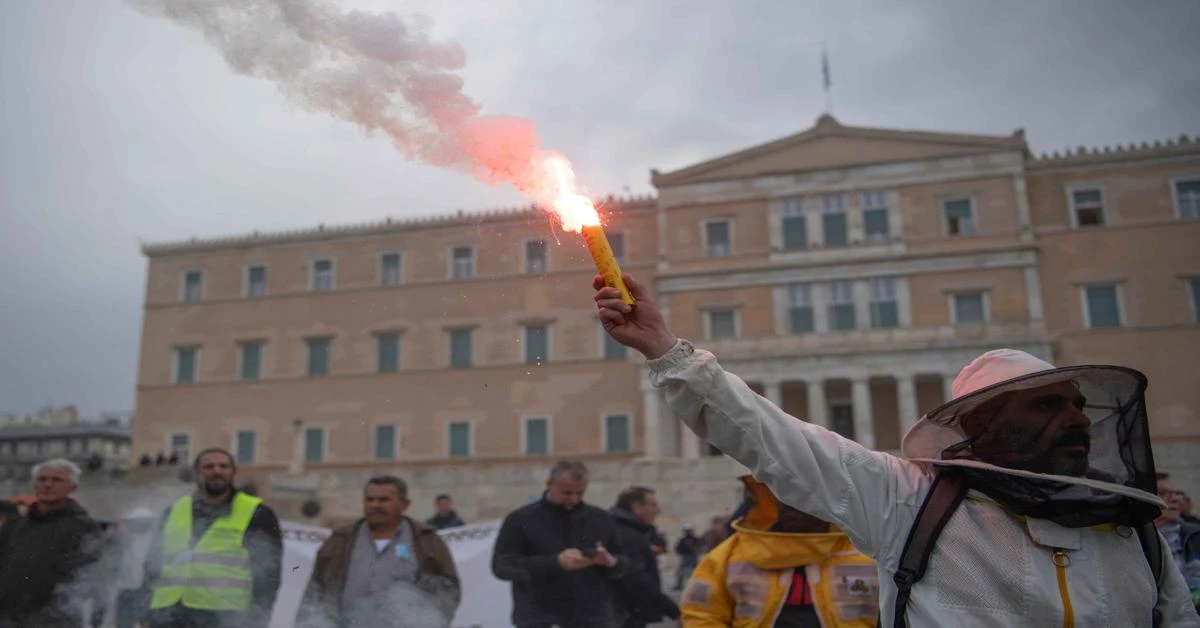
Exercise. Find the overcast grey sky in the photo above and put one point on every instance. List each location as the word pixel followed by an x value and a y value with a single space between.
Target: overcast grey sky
pixel 116 128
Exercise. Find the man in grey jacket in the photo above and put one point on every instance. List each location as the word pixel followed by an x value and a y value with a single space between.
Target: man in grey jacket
pixel 1057 461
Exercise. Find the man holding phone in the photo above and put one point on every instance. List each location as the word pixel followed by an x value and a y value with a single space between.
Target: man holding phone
pixel 560 555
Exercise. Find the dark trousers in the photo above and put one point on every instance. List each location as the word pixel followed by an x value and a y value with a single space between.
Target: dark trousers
pixel 683 572
pixel 179 616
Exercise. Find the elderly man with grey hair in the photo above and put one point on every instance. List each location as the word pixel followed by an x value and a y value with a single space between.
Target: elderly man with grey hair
pixel 42 555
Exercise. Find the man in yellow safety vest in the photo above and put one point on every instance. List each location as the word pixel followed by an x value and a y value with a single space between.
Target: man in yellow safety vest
pixel 216 558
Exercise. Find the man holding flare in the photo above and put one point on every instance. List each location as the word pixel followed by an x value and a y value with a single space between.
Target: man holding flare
pixel 1050 471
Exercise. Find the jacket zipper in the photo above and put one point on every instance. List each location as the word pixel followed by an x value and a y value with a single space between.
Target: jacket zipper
pixel 1061 562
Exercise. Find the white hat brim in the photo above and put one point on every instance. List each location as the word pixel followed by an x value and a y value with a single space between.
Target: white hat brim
pixel 938 429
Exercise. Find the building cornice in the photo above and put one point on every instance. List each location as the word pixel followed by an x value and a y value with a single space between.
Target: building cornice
pixel 774 274
pixel 385 227
pixel 828 127
pixel 1184 146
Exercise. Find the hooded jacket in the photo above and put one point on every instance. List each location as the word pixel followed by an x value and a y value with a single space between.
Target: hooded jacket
pixel 989 568
pixel 43 559
pixel 745 580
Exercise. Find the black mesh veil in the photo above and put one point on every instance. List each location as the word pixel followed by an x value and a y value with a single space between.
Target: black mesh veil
pixel 1119 485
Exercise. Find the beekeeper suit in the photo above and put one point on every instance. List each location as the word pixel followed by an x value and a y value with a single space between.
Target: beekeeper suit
pixel 1058 463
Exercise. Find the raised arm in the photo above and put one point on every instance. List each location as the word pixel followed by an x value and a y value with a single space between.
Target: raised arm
pixel 809 467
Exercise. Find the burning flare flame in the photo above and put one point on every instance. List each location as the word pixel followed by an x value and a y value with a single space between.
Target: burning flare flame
pixel 557 192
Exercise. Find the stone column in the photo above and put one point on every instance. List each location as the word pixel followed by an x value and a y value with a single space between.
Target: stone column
pixel 1033 294
pixel 947 383
pixel 864 426
pixel 906 396
pixel 773 391
pixel 689 444
pixel 297 464
pixel 651 423
pixel 818 409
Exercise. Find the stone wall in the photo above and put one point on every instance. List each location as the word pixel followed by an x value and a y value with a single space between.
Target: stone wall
pixel 689 491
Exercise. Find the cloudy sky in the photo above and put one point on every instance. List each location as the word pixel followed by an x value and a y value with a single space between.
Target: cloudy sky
pixel 117 128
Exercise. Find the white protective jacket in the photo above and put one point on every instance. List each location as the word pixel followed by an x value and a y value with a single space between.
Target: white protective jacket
pixel 989 568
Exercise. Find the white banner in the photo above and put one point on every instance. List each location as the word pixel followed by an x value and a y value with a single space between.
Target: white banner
pixel 486 601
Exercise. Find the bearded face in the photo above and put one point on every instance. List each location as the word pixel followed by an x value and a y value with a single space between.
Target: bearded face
pixel 1043 430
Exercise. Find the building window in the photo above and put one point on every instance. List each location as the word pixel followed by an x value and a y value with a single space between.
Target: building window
pixel 800 309
pixel 537 437
pixel 245 447
pixel 185 364
pixel 833 220
pixel 717 238
pixel 387 352
pixel 841 418
pixel 616 241
pixel 180 444
pixel 193 286
pixel 535 257
pixel 318 356
pixel 616 433
pixel 385 442
pixel 876 227
pixel 537 344
pixel 462 263
pixel 1195 285
pixel 1087 207
pixel 1187 198
pixel 795 227
pixel 460 439
pixel 885 312
pixel 314 444
pixel 256 281
pixel 722 324
pixel 959 220
pixel 322 275
pixel 251 360
pixel 460 348
pixel 969 307
pixel 613 350
pixel 389 269
pixel 1102 306
pixel 841 306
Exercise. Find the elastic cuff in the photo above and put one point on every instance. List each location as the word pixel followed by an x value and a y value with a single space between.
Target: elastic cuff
pixel 676 357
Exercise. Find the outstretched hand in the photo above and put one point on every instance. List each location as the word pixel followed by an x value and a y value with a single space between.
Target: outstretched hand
pixel 641 326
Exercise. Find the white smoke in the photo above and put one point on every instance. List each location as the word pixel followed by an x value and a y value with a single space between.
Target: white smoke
pixel 370 69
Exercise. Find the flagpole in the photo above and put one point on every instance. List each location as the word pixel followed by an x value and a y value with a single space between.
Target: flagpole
pixel 825 77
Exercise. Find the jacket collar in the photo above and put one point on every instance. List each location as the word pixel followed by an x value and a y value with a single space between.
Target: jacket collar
pixel 780 550
pixel 348 530
pixel 70 509
pixel 625 517
pixel 546 503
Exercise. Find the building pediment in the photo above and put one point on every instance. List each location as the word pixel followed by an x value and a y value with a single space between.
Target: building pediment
pixel 830 145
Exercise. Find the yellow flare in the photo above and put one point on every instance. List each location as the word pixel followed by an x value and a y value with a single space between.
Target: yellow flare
pixel 606 262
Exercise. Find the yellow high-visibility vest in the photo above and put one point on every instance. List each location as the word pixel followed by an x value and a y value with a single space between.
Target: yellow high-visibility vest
pixel 215 574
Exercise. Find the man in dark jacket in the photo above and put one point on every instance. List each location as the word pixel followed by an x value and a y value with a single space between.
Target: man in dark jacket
pixel 386 569
pixel 445 517
pixel 44 557
pixel 561 556
pixel 688 548
pixel 640 599
pixel 215 503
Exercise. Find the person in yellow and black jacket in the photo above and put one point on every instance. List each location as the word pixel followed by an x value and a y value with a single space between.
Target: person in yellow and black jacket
pixel 782 568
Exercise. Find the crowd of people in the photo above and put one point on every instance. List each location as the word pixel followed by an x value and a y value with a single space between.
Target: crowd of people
pixel 1029 498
